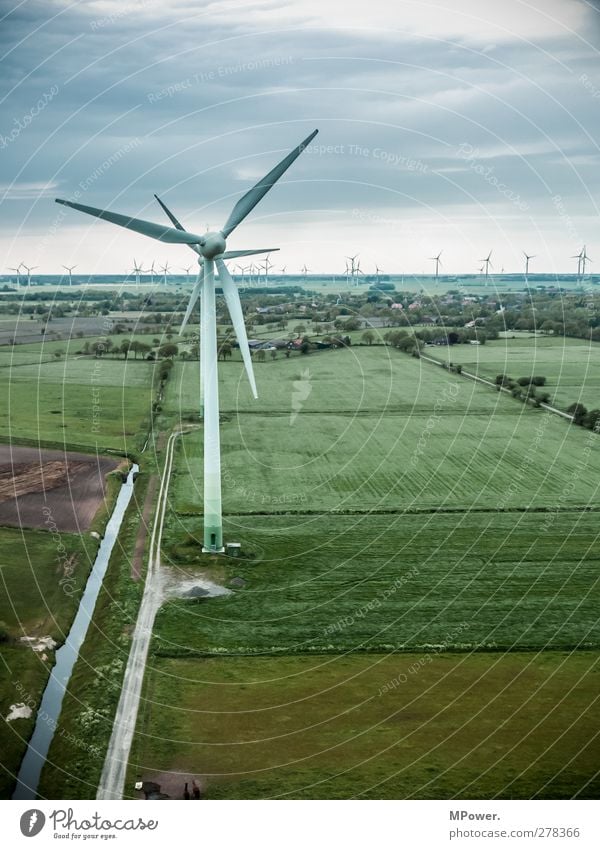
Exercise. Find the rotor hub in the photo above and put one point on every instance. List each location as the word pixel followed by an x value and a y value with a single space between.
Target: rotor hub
pixel 213 245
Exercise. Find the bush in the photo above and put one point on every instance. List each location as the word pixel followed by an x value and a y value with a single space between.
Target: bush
pixel 538 380
pixel 579 412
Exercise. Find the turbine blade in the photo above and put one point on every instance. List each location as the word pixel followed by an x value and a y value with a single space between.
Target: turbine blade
pixel 177 223
pixel 246 204
pixel 235 254
pixel 138 225
pixel 170 215
pixel 192 301
pixel 232 299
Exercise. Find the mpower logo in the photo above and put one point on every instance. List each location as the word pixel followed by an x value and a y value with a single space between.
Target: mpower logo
pixel 32 822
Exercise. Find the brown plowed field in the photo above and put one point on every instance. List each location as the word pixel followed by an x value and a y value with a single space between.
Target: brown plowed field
pixel 57 490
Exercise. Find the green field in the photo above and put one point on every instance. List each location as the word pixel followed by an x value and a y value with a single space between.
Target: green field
pixel 374 429
pixel 35 601
pixel 362 583
pixel 77 402
pixel 571 366
pixel 393 516
pixel 419 726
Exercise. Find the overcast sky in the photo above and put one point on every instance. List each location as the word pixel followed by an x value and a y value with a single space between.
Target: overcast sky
pixel 464 126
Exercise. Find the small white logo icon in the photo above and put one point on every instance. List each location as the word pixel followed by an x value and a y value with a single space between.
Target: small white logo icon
pixel 32 822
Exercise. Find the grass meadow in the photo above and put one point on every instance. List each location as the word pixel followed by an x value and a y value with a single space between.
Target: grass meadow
pixel 40 587
pixel 84 403
pixel 398 524
pixel 411 726
pixel 571 366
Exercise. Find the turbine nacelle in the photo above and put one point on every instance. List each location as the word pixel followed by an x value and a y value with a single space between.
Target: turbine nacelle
pixel 213 245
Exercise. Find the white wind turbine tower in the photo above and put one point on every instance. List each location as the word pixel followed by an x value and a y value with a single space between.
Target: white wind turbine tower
pixel 187 270
pixel 353 268
pixel 527 258
pixel 377 272
pixel 70 268
pixel 29 269
pixel 487 263
pixel 165 270
pixel 578 258
pixel 267 266
pixel 358 270
pixel 137 270
pixel 584 258
pixel 17 270
pixel 305 271
pixel 212 253
pixel 438 262
pixel 152 271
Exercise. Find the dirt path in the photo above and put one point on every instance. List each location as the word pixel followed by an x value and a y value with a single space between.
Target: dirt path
pixel 140 543
pixel 112 780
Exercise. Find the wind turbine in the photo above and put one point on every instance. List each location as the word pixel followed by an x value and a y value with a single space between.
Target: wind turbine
pixel 358 270
pixel 152 270
pixel 377 272
pixel 527 258
pixel 18 272
pixel 267 266
pixel 137 270
pixel 187 270
pixel 438 262
pixel 579 257
pixel 584 258
pixel 70 268
pixel 353 268
pixel 211 250
pixel 487 262
pixel 305 271
pixel 165 270
pixel 29 269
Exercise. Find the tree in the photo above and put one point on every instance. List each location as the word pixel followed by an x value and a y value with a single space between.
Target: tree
pixel 225 350
pixel 125 347
pixel 578 411
pixel 299 330
pixel 274 354
pixel 368 337
pixel 591 420
pixel 168 350
pixel 260 355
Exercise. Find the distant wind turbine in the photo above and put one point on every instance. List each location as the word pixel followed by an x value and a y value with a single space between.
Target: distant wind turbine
pixel 212 252
pixel 137 270
pixel 527 258
pixel 165 270
pixel 579 257
pixel 487 263
pixel 18 272
pixel 584 258
pixel 438 262
pixel 29 269
pixel 70 268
